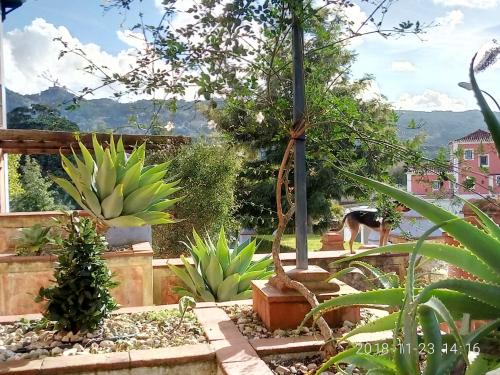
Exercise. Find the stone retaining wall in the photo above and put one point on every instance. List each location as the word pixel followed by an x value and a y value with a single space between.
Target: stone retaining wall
pixel 22 277
pixel 164 280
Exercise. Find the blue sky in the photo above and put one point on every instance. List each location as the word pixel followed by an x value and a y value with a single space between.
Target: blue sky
pixel 413 73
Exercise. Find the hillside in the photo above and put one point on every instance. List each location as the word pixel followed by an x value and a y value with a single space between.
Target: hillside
pixel 99 114
pixel 96 114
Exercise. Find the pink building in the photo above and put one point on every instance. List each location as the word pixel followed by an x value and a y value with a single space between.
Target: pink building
pixel 474 163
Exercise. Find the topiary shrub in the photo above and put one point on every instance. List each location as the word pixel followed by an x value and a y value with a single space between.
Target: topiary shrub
pixel 80 298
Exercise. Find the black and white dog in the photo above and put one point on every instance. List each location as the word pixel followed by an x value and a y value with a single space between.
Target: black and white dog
pixel 370 218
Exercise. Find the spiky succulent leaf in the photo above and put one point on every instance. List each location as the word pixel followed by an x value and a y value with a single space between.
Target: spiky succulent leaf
pixel 112 206
pixel 106 176
pixel 228 289
pixel 139 199
pixel 125 221
pixel 98 150
pixel 130 178
pixel 457 256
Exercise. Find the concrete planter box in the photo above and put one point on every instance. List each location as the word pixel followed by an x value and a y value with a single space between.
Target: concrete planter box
pixel 22 277
pixel 228 352
pixel 10 223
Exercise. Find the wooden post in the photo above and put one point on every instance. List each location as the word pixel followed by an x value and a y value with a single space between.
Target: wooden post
pixel 4 166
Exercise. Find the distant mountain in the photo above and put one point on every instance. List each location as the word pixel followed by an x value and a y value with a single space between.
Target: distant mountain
pixel 441 127
pixel 99 114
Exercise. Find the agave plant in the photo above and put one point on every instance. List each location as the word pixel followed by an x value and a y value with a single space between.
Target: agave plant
pixel 220 273
pixel 117 188
pixel 447 301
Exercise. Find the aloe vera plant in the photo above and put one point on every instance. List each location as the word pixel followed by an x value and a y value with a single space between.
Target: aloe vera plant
pixel 220 273
pixel 117 188
pixel 448 300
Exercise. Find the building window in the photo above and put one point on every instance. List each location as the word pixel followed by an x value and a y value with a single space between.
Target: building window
pixel 484 161
pixel 497 178
pixel 436 185
pixel 468 154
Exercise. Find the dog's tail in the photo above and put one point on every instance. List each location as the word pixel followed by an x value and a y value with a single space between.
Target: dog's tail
pixel 340 225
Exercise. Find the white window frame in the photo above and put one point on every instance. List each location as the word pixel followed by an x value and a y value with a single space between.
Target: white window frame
pixel 472 153
pixel 487 160
pixel 438 185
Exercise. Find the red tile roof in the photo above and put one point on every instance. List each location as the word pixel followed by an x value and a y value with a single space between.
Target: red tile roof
pixel 477 136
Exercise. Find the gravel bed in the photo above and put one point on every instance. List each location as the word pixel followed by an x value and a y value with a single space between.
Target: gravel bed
pixel 252 327
pixel 119 333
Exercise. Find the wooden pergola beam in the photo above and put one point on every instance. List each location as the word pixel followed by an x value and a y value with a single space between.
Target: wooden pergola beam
pixel 24 141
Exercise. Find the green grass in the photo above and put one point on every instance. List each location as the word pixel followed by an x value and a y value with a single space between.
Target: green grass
pixel 313 240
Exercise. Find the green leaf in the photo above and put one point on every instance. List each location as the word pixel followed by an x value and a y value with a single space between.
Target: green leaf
pixel 487 293
pixel 125 221
pixel 106 177
pixel 433 342
pixel 222 251
pixel 387 280
pixel 167 203
pixel 92 201
pixel 485 220
pixel 488 115
pixel 458 256
pixel 384 323
pixel 98 150
pixel 214 274
pixel 112 206
pixel 139 199
pixel 184 277
pixel 228 289
pixel 240 263
pixel 130 179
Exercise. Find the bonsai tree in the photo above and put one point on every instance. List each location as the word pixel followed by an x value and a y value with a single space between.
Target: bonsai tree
pixel 80 298
pixel 118 189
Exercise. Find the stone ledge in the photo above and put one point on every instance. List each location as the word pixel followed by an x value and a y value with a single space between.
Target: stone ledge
pixel 284 345
pixel 111 361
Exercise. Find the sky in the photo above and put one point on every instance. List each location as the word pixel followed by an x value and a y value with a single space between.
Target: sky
pixel 413 73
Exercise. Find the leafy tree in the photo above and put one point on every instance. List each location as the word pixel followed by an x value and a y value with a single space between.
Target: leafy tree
pixel 344 131
pixel 15 186
pixel 42 117
pixel 37 191
pixel 209 171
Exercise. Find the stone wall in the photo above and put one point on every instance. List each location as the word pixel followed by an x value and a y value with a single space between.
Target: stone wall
pixel 22 277
pixel 165 280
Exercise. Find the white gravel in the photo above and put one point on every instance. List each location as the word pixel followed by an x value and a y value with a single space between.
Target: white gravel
pixel 121 332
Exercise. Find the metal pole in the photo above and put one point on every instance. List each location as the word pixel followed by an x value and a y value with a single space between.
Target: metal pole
pixel 299 105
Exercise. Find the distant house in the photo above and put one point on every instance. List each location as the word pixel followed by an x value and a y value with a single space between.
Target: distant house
pixel 474 166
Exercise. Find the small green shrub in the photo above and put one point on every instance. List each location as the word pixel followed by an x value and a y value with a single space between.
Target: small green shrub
pixel 36 240
pixel 80 298
pixel 210 171
pixel 220 273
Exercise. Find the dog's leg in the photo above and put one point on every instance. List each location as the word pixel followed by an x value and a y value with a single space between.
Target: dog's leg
pixel 354 229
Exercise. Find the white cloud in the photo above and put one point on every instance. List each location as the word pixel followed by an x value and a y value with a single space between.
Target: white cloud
pixel 159 5
pixel 32 54
pixel 403 66
pixel 480 4
pixel 430 100
pixel 371 92
pixel 135 40
pixel 451 19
